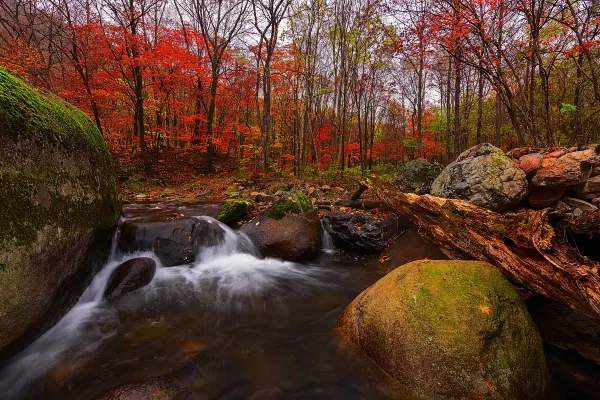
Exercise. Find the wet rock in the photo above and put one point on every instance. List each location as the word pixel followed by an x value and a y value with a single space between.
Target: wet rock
pixel 154 389
pixel 484 176
pixel 541 197
pixel 583 205
pixel 233 210
pixel 359 233
pixel 59 204
pixel 174 241
pixel 531 163
pixel 130 276
pixel 449 329
pixel 290 229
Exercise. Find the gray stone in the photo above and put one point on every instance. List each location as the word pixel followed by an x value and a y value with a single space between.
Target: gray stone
pixel 583 205
pixel 484 176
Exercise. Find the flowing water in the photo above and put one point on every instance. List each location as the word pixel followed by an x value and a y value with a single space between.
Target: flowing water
pixel 229 326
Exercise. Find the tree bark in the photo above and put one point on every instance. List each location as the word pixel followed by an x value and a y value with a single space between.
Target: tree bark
pixel 521 244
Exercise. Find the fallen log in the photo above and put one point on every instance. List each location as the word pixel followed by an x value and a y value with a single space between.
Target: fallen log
pixel 522 244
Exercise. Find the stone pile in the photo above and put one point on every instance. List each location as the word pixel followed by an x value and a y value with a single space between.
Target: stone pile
pixel 566 180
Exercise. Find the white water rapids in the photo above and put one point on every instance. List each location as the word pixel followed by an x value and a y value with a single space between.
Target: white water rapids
pixel 227 275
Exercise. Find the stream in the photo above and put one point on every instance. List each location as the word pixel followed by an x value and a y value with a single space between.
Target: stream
pixel 231 325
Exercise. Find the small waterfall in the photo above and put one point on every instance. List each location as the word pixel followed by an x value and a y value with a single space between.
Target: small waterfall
pixel 224 276
pixel 326 241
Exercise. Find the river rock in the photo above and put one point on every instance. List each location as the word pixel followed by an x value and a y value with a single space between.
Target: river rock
pixel 59 205
pixel 174 240
pixel 484 176
pixel 233 210
pixel 360 233
pixel 130 276
pixel 289 230
pixel 541 197
pixel 154 389
pixel 448 330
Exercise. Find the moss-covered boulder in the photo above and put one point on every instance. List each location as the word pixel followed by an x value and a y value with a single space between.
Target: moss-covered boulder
pixel 418 174
pixel 449 330
pixel 59 202
pixel 289 230
pixel 233 210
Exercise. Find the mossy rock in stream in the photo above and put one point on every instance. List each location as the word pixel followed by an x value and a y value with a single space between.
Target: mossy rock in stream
pixel 449 330
pixel 59 203
pixel 293 202
pixel 290 229
pixel 233 210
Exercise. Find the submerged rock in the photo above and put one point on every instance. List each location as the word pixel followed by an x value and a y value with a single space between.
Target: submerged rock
pixel 59 204
pixel 484 176
pixel 449 329
pixel 289 230
pixel 130 276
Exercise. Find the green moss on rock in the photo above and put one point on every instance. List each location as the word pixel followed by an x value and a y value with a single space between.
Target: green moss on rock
pixel 449 329
pixel 233 210
pixel 41 140
pixel 293 202
pixel 58 199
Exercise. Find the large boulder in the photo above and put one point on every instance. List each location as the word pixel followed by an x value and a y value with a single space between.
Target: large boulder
pixel 289 230
pixel 59 203
pixel 484 176
pixel 130 276
pixel 360 233
pixel 447 330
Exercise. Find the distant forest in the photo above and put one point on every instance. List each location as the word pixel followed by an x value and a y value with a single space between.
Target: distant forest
pixel 311 85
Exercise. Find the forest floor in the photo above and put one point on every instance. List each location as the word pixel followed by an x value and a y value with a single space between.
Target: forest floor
pixel 180 175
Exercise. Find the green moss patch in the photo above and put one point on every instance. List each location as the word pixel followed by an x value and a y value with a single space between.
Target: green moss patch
pixel 293 202
pixel 55 170
pixel 233 210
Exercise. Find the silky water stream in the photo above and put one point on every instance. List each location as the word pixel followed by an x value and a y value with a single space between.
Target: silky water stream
pixel 231 325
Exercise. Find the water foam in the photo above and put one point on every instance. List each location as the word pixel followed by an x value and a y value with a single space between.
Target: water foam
pixel 224 276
